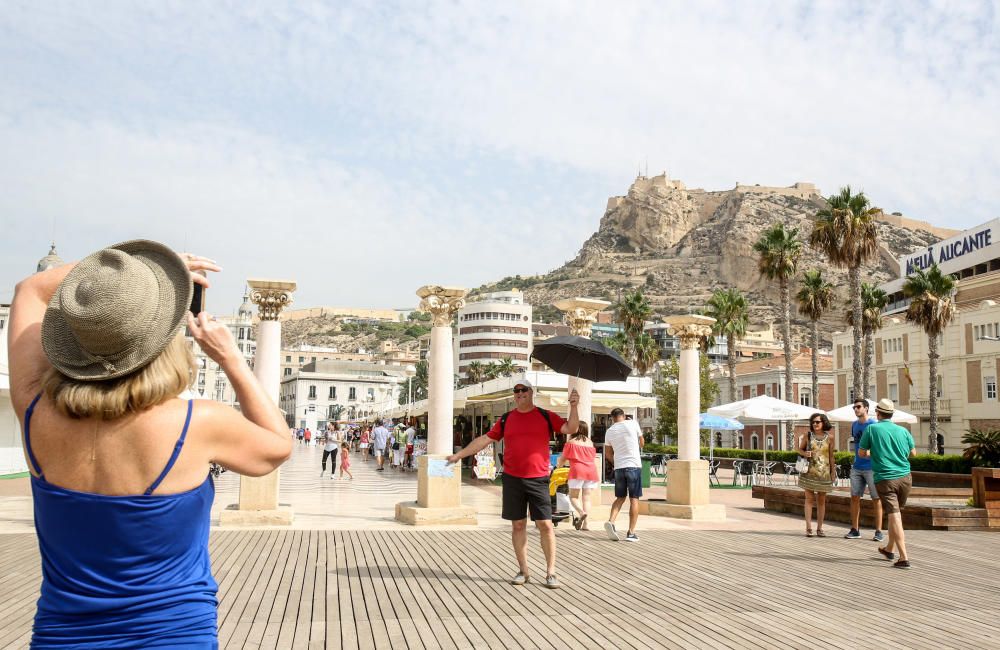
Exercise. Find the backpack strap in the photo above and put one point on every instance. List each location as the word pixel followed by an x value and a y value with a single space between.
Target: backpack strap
pixel 545 414
pixel 503 421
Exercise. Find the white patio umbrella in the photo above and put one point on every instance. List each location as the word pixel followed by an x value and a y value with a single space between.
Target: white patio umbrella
pixel 764 408
pixel 846 414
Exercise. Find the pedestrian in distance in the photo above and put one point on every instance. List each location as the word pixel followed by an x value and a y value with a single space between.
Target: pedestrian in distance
pixel 622 443
pixel 120 466
pixel 308 437
pixel 345 462
pixel 818 447
pixel 890 447
pixel 380 438
pixel 862 476
pixel 363 443
pixel 579 453
pixel 410 434
pixel 398 446
pixel 330 447
pixel 526 431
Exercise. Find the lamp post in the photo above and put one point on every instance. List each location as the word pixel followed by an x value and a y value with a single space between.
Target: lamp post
pixel 411 371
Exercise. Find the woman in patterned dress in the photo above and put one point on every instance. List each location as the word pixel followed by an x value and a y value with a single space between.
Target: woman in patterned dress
pixel 819 447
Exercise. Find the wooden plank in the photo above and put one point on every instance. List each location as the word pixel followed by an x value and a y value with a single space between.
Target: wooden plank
pixel 346 632
pixel 289 619
pixel 303 622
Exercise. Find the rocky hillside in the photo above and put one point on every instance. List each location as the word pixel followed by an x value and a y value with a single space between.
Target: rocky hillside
pixel 329 331
pixel 682 244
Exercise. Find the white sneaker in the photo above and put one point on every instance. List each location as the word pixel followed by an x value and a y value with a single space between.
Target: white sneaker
pixel 613 535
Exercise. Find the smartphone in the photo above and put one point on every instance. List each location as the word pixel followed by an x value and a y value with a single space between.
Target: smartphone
pixel 197 299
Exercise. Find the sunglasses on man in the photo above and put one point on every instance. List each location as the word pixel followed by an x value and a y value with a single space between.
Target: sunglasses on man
pixel 521 390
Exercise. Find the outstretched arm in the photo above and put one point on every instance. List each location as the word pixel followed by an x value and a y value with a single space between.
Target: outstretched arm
pixel 572 424
pixel 471 449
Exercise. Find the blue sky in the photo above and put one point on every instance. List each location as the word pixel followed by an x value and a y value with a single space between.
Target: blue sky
pixel 365 149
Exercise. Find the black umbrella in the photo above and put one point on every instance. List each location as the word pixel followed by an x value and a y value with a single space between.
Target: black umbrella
pixel 578 356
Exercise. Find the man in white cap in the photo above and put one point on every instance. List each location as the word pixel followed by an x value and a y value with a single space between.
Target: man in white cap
pixel 890 447
pixel 526 464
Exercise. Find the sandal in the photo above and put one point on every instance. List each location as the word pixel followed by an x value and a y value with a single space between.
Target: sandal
pixel 581 522
pixel 809 532
pixel 888 554
pixel 820 533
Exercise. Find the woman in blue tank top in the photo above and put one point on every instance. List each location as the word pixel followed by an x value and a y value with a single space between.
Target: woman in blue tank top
pixel 120 465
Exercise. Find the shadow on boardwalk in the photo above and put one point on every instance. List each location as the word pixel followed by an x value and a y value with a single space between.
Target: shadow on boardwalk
pixel 674 589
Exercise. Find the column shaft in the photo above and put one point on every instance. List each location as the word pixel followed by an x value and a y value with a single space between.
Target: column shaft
pixel 688 393
pixel 441 393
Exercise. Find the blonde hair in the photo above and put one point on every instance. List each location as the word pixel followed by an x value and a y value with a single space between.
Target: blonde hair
pixel 162 379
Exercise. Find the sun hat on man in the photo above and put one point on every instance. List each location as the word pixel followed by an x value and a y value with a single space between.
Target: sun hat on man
pixel 116 311
pixel 523 382
pixel 885 406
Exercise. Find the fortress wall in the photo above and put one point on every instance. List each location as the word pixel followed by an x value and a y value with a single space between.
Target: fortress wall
pixel 913 224
pixel 801 190
pixel 314 312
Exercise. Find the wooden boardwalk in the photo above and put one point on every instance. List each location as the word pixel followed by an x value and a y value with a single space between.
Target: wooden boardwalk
pixel 674 589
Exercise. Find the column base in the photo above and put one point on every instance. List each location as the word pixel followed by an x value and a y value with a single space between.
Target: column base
pixel 281 516
pixel 412 514
pixel 714 512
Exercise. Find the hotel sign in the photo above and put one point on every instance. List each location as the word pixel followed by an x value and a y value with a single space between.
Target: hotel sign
pixel 951 250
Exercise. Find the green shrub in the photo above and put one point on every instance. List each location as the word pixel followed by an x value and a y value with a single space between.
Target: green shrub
pixel 952 464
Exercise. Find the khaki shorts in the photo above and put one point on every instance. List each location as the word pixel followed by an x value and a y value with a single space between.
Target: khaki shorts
pixel 893 493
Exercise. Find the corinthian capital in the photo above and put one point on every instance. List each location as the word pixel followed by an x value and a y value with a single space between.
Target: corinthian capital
pixel 271 296
pixel 441 302
pixel 581 313
pixel 689 329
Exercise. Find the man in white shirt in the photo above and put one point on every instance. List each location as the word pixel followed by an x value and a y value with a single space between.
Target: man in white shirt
pixel 380 437
pixel 622 443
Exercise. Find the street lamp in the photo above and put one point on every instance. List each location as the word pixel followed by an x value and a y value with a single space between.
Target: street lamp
pixel 410 371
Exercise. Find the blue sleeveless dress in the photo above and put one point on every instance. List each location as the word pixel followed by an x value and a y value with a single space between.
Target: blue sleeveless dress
pixel 123 571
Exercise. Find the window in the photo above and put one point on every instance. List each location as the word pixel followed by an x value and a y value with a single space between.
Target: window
pixel 333 392
pixel 241 335
pixel 288 371
pixel 991 387
pixel 894 392
pixel 940 386
pixel 371 394
pixel 753 393
pixel 288 359
pixel 805 397
pixel 312 392
pixel 754 444
pixel 352 393
pixel 718 439
pixel 976 334
pixel 770 442
pixel 767 391
pixel 302 359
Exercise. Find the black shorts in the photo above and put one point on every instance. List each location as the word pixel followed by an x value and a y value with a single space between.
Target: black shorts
pixel 523 495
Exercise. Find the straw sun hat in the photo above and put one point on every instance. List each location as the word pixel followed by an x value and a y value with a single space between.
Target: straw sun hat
pixel 116 310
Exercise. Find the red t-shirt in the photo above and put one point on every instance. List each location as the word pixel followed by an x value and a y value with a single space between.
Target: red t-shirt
pixel 526 442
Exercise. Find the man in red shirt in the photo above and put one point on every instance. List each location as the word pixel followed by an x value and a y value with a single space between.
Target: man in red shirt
pixel 526 467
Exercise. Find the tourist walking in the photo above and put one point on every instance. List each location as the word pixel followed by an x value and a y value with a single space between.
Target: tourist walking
pixel 890 447
pixel 345 462
pixel 380 437
pixel 363 443
pixel 410 435
pixel 579 453
pixel 622 443
pixel 330 448
pixel 399 446
pixel 862 476
pixel 120 467
pixel 526 432
pixel 818 447
pixel 308 437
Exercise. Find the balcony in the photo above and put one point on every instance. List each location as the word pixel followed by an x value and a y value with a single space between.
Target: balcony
pixel 923 407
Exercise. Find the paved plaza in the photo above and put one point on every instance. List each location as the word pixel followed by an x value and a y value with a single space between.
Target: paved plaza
pixel 347 576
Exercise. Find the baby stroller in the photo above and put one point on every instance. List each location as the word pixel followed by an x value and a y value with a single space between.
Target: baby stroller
pixel 559 492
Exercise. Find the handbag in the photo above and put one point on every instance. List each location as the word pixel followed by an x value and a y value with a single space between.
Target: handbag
pixel 802 464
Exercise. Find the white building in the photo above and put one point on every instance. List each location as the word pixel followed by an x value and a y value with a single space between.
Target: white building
pixel 211 383
pixel 969 365
pixel 496 326
pixel 328 390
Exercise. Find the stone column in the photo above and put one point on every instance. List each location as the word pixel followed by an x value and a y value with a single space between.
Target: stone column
pixel 580 315
pixel 439 485
pixel 259 495
pixel 687 477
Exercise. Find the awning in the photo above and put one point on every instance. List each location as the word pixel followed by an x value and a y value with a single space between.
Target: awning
pixel 599 403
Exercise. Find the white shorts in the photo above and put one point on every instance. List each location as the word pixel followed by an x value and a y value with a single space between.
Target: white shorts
pixel 364 445
pixel 578 483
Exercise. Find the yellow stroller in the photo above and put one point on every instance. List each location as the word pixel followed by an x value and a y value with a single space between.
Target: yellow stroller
pixel 559 493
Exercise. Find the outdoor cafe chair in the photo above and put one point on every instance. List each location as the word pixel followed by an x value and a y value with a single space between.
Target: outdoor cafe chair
pixel 742 472
pixel 713 468
pixel 790 471
pixel 765 470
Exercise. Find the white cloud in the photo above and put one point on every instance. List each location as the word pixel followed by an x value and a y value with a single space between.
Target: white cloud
pixel 483 139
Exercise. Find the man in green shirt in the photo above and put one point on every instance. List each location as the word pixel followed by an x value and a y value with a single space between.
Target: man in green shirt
pixel 890 447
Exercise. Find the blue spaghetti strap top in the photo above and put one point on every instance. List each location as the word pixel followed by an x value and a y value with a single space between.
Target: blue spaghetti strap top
pixel 123 571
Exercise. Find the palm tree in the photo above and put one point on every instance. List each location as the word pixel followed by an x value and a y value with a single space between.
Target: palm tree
pixel 729 309
pixel 873 300
pixel 647 352
pixel 815 297
pixel 491 371
pixel 932 307
pixel 506 367
pixel 779 251
pixel 474 372
pixel 845 232
pixel 632 312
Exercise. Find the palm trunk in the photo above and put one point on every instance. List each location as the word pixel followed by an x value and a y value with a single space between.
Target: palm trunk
pixel 869 355
pixel 731 362
pixel 932 357
pixel 815 363
pixel 786 332
pixel 854 279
